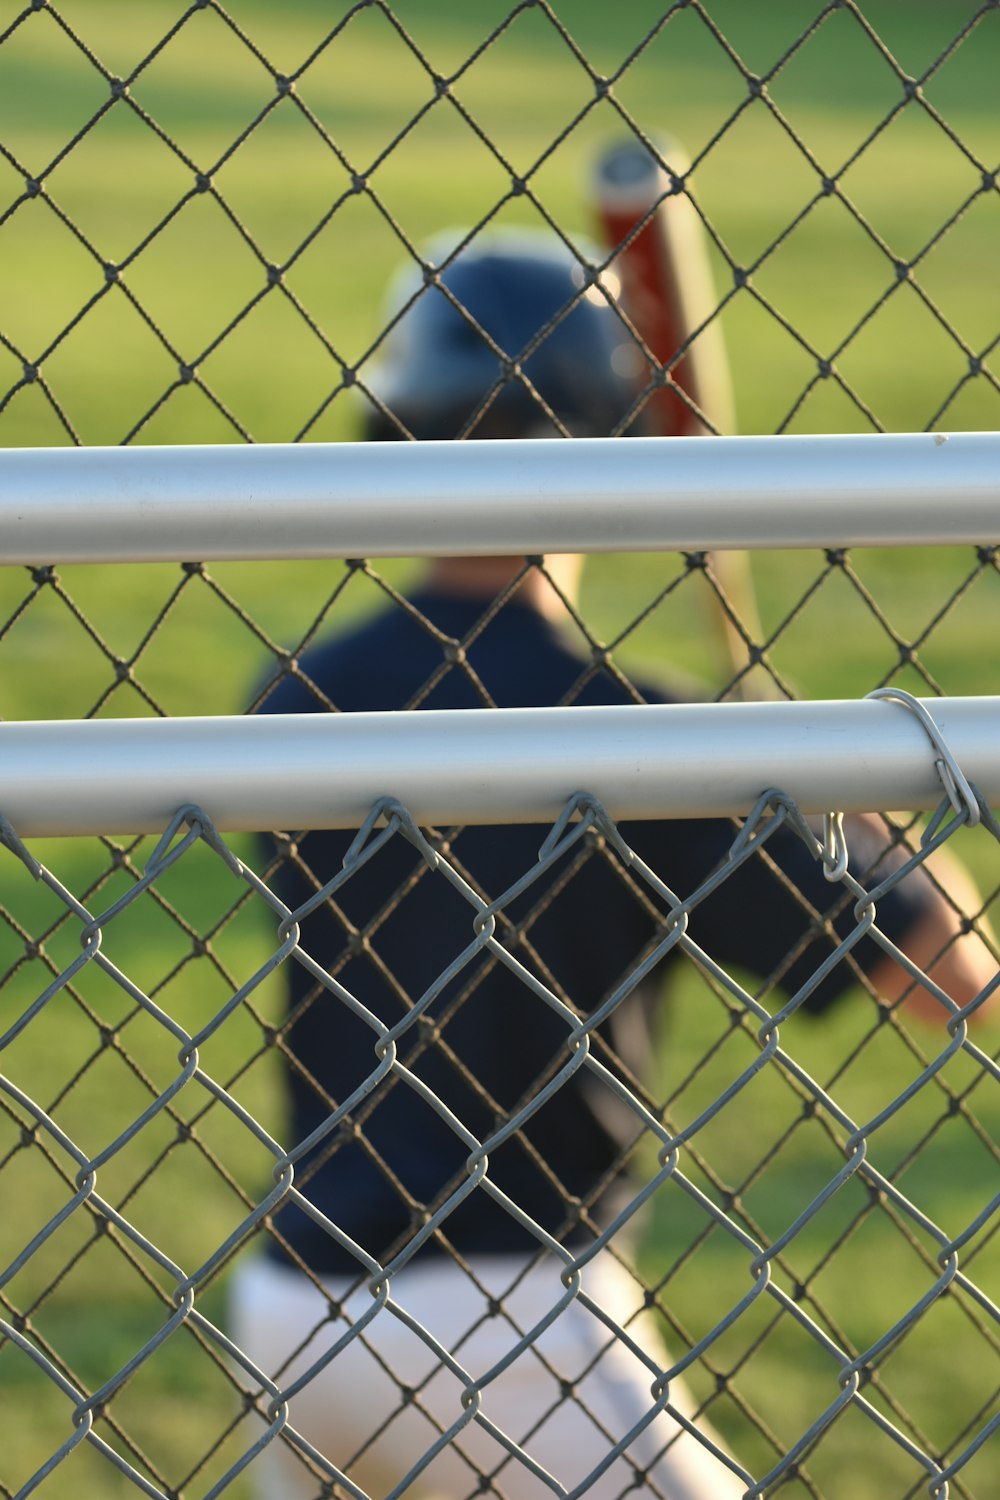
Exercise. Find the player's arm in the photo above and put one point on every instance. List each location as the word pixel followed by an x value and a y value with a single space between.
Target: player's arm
pixel 927 916
pixel 959 957
pixel 778 916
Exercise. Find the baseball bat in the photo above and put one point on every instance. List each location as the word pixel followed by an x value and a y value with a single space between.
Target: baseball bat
pixel 668 296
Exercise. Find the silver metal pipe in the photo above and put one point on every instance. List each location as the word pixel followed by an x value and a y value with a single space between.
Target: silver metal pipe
pixel 485 766
pixel 479 498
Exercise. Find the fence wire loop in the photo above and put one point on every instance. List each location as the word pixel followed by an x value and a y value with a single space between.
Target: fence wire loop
pixel 10 841
pixel 199 826
pixel 772 809
pixel 394 816
pixel 958 791
pixel 590 814
pixel 835 851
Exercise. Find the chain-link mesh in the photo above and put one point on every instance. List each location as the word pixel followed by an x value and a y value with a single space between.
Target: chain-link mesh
pixel 200 208
pixel 798 1284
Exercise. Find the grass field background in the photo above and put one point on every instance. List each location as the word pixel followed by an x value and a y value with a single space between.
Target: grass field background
pixel 61 640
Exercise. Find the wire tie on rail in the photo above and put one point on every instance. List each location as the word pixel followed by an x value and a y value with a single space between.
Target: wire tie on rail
pixel 834 846
pixel 958 791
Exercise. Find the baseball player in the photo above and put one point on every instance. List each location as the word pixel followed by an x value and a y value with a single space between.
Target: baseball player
pixel 580 1402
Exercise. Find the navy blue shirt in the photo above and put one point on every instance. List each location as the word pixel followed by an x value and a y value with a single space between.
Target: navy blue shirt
pixel 489 1042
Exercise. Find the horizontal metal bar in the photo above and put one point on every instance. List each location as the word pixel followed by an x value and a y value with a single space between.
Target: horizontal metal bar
pixel 481 498
pixel 483 765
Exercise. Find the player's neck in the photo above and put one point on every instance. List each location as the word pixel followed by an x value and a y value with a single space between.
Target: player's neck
pixel 485 577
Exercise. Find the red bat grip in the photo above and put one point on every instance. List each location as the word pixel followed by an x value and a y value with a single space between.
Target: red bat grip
pixel 651 300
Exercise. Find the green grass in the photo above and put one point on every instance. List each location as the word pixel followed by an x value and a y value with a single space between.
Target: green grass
pixel 195 275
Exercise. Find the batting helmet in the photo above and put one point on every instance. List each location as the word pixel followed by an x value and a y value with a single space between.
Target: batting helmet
pixel 481 353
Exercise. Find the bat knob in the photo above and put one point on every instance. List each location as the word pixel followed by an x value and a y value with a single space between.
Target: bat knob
pixel 629 178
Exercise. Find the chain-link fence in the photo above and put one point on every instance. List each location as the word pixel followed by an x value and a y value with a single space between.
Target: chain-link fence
pixel 201 209
pixel 812 1228
pixel 444 1051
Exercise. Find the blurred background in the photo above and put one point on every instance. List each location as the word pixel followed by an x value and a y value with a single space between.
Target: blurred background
pixel 116 185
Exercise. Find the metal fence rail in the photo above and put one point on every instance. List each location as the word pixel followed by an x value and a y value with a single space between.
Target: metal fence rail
pixel 480 498
pixel 659 760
